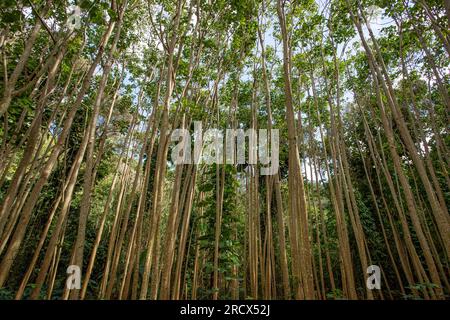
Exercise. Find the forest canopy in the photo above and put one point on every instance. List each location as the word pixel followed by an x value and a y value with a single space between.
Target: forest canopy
pixel 96 95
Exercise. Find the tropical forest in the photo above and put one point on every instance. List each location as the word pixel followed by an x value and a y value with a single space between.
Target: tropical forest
pixel 224 149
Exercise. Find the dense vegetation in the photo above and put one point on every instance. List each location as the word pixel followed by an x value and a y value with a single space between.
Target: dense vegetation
pixel 358 89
